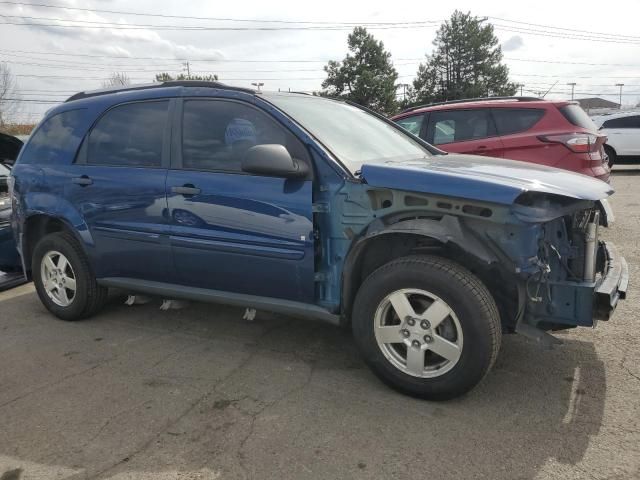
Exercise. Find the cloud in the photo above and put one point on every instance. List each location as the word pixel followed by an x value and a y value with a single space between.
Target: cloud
pixel 514 43
pixel 114 41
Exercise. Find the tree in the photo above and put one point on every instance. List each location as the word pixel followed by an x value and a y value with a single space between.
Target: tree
pixel 466 63
pixel 9 94
pixel 365 76
pixel 165 77
pixel 117 79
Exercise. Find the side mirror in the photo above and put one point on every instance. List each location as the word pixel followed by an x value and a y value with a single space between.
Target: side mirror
pixel 273 160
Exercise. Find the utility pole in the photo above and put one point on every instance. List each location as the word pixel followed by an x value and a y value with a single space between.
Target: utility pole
pixel 258 84
pixel 620 85
pixel 187 68
pixel 521 89
pixel 404 91
pixel 573 86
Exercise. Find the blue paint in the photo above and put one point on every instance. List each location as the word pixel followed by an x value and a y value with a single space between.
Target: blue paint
pixel 259 235
pixel 482 178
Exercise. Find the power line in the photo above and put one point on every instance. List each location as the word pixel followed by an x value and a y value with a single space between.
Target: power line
pixel 232 60
pixel 71 23
pixel 222 19
pixel 178 58
pixel 547 33
pixel 565 62
pixel 564 28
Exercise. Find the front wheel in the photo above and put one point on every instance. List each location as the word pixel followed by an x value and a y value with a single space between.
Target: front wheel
pixel 63 278
pixel 427 326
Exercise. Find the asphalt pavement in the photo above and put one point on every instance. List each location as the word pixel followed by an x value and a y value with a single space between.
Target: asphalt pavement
pixel 200 393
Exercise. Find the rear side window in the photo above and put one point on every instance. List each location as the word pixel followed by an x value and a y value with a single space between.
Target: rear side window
pixel 459 126
pixel 623 122
pixel 578 117
pixel 57 139
pixel 129 135
pixel 412 124
pixel 514 120
pixel 217 133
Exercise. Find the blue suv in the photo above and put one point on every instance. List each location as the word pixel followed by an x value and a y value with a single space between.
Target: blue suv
pixel 312 207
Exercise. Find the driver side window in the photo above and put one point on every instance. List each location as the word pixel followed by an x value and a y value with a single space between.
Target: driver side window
pixel 216 134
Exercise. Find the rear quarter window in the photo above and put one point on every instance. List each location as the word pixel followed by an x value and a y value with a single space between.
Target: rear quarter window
pixel 57 139
pixel 515 120
pixel 578 117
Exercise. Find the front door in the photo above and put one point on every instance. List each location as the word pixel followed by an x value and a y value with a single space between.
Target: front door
pixel 232 231
pixel 118 186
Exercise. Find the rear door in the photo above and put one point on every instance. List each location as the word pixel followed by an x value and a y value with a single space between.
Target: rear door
pixel 232 231
pixel 624 134
pixel 118 186
pixel 470 131
pixel 513 126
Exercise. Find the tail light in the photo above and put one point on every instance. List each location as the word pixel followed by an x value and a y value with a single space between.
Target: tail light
pixel 577 142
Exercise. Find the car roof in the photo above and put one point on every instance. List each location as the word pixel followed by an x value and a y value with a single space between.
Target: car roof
pixel 486 102
pixel 157 86
pixel 603 117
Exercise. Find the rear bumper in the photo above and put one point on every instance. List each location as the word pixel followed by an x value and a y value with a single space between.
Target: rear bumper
pixel 613 286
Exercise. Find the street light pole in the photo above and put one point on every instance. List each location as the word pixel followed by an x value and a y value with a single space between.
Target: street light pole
pixel 572 85
pixel 258 84
pixel 620 85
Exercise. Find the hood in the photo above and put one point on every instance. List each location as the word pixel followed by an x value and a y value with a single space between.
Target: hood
pixel 482 178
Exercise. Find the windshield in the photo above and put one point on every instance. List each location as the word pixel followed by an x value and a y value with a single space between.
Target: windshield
pixel 354 136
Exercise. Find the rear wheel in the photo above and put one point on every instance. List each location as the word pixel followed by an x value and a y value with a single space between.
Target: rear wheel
pixel 63 278
pixel 611 154
pixel 427 327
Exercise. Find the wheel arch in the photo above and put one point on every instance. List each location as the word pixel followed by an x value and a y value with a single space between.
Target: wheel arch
pixel 38 225
pixel 446 237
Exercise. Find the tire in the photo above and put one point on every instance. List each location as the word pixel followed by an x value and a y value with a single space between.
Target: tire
pixel 464 315
pixel 611 153
pixel 87 298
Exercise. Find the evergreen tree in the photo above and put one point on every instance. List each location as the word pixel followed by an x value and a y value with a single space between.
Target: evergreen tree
pixel 365 76
pixel 165 77
pixel 466 63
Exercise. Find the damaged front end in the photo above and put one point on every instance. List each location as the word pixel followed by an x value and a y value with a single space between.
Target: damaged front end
pixel 574 278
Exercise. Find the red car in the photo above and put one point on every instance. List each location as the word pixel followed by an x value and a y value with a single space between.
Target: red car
pixel 554 133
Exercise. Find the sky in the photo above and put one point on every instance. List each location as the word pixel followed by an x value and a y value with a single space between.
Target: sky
pixel 546 44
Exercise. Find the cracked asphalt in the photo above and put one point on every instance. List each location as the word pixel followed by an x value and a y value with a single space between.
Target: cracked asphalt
pixel 199 393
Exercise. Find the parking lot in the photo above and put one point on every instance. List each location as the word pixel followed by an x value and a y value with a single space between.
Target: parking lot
pixel 199 393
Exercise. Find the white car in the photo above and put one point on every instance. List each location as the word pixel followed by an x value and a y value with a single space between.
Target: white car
pixel 623 132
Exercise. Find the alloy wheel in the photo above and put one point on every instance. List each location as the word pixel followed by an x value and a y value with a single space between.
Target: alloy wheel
pixel 418 332
pixel 58 278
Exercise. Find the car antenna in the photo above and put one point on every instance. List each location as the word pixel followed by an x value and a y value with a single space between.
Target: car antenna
pixel 545 93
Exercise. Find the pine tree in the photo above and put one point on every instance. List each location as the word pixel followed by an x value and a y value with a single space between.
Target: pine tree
pixel 466 63
pixel 365 76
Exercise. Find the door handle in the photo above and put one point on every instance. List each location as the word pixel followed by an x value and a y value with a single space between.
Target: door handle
pixel 187 189
pixel 479 150
pixel 83 180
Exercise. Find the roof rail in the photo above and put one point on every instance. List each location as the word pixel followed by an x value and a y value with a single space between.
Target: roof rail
pixel 468 100
pixel 149 86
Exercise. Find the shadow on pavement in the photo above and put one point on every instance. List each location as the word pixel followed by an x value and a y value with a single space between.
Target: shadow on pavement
pixel 139 393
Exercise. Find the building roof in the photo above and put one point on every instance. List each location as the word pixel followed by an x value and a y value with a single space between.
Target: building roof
pixel 596 102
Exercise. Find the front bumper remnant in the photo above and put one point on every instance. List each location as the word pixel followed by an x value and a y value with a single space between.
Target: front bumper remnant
pixel 613 286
